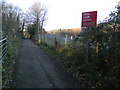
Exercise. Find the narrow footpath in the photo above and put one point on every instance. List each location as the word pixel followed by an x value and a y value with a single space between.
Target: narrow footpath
pixel 37 69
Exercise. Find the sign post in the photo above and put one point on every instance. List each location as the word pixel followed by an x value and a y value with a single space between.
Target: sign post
pixel 89 19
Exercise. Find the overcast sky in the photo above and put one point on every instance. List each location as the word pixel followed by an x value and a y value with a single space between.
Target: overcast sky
pixel 68 13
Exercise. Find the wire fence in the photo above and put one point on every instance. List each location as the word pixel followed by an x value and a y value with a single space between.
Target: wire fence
pixel 56 40
pixel 3 49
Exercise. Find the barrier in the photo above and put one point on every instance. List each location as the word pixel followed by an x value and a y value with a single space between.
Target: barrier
pixel 3 49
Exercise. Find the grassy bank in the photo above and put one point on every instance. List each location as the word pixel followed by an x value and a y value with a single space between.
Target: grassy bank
pixel 13 46
pixel 96 74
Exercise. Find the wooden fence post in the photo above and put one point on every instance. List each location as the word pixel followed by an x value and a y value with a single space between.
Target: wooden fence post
pixel 88 57
pixel 65 39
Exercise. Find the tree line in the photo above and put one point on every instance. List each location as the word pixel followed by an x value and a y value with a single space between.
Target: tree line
pixel 14 20
pixel 35 19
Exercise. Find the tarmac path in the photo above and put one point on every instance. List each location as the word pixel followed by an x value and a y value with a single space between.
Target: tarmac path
pixel 37 69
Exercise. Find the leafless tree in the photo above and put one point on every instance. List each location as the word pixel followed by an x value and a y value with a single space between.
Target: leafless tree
pixel 37 15
pixel 10 19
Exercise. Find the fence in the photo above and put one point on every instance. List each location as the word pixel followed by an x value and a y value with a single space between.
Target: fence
pixel 3 48
pixel 60 41
pixel 74 43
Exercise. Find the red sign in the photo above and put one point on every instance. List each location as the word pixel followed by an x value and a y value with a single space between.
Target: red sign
pixel 89 19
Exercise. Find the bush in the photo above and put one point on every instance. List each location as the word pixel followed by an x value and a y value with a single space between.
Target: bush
pixel 13 45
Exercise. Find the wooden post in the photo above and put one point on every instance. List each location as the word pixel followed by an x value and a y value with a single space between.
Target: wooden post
pixel 65 39
pixel 56 43
pixel 88 51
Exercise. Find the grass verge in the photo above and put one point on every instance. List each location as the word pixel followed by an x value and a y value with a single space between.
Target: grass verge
pixel 97 74
pixel 8 64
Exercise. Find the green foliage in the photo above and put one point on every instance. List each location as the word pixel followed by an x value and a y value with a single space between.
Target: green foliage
pixel 8 63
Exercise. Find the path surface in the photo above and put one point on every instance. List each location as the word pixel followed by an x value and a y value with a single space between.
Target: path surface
pixel 37 69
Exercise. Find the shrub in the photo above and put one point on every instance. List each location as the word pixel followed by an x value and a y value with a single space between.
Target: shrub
pixel 13 46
